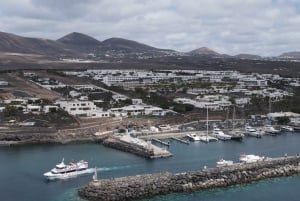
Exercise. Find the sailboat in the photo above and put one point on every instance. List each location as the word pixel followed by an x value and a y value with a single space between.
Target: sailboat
pixel 268 128
pixel 207 138
pixel 235 134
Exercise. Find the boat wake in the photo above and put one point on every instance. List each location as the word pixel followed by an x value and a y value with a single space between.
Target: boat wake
pixel 112 168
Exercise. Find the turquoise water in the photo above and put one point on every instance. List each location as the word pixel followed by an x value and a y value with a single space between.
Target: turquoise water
pixel 22 167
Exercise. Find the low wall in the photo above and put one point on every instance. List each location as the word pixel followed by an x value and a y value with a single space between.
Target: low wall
pixel 149 185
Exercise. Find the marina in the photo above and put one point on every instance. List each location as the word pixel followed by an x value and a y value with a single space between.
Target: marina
pixel 31 184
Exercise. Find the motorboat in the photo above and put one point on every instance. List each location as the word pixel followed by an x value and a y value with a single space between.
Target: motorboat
pixel 287 128
pixel 222 163
pixel 269 129
pixel 250 158
pixel 65 171
pixel 193 137
pixel 218 133
pixel 250 131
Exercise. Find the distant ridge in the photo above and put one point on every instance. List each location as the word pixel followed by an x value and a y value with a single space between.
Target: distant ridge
pixel 79 39
pixel 248 56
pixel 80 45
pixel 18 44
pixel 203 51
pixel 124 44
pixel 295 54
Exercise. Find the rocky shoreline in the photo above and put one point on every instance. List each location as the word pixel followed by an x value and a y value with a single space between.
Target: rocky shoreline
pixel 149 185
pixel 49 135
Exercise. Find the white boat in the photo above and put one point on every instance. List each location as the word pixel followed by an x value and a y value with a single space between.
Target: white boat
pixel 222 163
pixel 287 128
pixel 250 131
pixel 269 129
pixel 218 133
pixel 193 137
pixel 251 158
pixel 63 171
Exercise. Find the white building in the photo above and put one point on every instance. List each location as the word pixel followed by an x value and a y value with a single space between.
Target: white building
pixel 82 109
pixel 49 108
pixel 275 115
pixel 134 110
pixel 118 97
pixel 137 101
pixel 33 108
pixel 3 83
pixel 203 104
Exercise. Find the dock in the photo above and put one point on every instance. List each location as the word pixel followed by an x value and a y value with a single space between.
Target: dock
pixel 180 140
pixel 161 142
pixel 136 146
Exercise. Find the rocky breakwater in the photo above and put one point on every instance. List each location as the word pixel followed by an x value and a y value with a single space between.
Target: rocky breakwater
pixel 149 185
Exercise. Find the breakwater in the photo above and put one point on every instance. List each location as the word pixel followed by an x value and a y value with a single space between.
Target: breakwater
pixel 136 146
pixel 149 185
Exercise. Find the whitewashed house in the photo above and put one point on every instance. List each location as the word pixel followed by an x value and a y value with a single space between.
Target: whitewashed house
pixel 33 108
pixel 3 83
pixel 49 108
pixel 82 109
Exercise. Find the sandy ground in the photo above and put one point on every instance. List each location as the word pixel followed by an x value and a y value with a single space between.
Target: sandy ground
pixel 18 83
pixel 69 80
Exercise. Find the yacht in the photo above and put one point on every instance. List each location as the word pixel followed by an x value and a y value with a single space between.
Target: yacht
pixel 287 128
pixel 193 137
pixel 218 133
pixel 251 158
pixel 269 129
pixel 250 131
pixel 63 171
pixel 222 163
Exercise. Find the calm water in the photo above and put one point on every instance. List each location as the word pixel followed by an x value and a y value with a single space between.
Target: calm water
pixel 21 169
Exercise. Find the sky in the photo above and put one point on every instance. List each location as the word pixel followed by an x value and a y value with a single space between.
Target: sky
pixel 264 27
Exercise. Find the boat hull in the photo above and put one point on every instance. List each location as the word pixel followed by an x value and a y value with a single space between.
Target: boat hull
pixel 67 175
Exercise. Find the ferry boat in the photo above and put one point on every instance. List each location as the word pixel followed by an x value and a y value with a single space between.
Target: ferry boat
pixel 287 128
pixel 220 134
pixel 63 171
pixel 250 158
pixel 250 131
pixel 193 137
pixel 222 163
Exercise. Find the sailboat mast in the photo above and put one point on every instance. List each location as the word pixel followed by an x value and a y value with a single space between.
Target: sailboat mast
pixel 233 116
pixel 270 104
pixel 206 122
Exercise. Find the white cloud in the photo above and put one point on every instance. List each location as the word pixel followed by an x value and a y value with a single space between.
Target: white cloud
pixel 266 27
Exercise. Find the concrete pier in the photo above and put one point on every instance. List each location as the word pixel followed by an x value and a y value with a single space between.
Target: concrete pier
pixel 136 146
pixel 180 140
pixel 161 142
pixel 149 185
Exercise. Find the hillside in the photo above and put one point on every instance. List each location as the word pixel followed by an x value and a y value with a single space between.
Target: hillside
pixel 79 39
pixel 18 44
pixel 203 51
pixel 290 55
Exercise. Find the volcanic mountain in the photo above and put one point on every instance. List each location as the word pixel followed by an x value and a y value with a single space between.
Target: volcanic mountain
pixel 18 44
pixel 295 55
pixel 203 51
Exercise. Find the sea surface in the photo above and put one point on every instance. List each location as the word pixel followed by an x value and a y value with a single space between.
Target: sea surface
pixel 22 168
